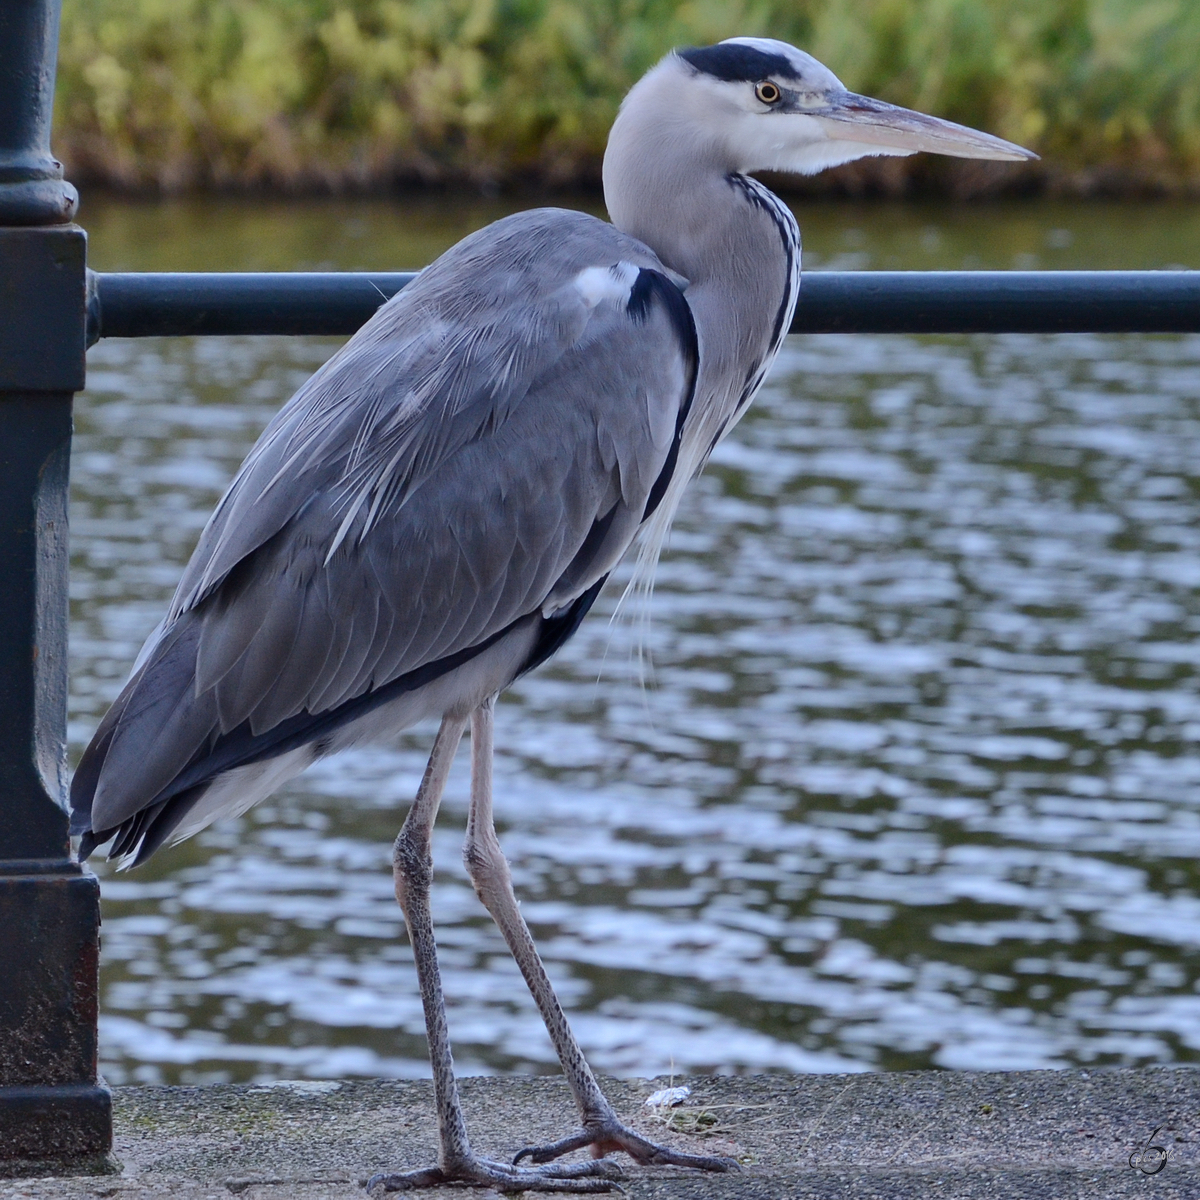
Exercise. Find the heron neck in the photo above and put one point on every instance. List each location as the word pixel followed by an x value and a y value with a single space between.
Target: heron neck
pixel 682 208
pixel 735 243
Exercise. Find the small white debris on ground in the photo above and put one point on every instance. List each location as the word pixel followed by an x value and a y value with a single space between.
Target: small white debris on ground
pixel 669 1097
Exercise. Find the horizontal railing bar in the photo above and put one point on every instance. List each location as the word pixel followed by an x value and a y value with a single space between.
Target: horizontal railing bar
pixel 999 302
pixel 155 304
pixel 162 304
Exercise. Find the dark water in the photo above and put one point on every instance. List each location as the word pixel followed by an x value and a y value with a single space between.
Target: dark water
pixel 914 779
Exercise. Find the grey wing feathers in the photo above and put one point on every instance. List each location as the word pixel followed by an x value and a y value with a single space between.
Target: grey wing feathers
pixel 483 449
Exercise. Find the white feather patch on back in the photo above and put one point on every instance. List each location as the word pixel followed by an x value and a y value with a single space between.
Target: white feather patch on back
pixel 598 284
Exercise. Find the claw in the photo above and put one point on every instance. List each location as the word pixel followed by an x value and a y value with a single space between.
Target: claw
pixel 429 1177
pixel 611 1136
pixel 590 1177
pixel 543 1154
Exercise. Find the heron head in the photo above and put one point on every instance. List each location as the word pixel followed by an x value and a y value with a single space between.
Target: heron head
pixel 763 105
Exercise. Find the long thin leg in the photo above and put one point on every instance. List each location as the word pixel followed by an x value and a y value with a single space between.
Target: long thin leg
pixel 490 874
pixel 412 869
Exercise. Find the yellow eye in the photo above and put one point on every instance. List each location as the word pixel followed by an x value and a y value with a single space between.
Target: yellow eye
pixel 767 92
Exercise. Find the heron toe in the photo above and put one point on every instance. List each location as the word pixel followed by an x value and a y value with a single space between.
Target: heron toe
pixel 589 1177
pixel 610 1136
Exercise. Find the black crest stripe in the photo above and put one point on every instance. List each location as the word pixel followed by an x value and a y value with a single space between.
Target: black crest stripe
pixel 735 63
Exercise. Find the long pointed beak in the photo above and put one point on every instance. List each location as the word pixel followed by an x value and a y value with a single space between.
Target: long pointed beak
pixel 848 117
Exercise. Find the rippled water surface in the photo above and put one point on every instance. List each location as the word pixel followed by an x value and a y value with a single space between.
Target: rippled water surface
pixel 913 780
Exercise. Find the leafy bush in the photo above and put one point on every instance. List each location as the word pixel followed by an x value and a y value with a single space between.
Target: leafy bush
pixel 335 93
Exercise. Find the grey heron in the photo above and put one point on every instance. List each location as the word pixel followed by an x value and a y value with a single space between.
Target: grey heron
pixel 436 509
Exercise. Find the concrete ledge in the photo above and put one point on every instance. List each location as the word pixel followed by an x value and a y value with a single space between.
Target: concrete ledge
pixel 1053 1135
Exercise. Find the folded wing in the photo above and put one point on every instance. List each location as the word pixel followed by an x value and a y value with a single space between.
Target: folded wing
pixel 483 450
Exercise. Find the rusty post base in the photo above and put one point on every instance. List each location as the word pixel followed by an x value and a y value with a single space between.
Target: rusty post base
pixel 55 1116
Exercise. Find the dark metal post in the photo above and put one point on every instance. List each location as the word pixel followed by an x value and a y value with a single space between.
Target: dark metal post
pixel 53 1111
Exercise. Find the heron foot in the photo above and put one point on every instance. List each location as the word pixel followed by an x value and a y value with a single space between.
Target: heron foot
pixel 609 1135
pixel 588 1177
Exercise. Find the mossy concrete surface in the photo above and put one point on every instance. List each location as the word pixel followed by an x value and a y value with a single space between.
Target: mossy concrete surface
pixel 1056 1135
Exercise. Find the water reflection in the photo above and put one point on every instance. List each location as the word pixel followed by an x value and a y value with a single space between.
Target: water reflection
pixel 914 782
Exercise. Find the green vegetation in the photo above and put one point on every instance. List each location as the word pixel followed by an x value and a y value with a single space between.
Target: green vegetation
pixel 337 93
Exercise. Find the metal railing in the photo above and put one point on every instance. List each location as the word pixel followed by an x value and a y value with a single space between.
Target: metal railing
pixel 54 1112
pixel 53 1109
pixel 152 304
